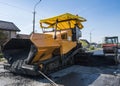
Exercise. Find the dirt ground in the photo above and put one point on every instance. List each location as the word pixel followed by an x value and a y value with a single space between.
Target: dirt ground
pixel 75 75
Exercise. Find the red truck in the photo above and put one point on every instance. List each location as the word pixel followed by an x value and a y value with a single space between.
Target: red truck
pixel 111 47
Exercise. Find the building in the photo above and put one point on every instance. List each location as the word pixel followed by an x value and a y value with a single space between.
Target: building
pixel 9 29
pixel 23 36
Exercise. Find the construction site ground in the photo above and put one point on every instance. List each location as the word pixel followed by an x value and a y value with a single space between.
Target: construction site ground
pixel 75 75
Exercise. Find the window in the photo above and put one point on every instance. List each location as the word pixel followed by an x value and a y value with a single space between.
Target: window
pixel 64 36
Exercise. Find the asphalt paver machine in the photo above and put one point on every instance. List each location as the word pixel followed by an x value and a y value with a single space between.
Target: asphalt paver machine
pixel 49 51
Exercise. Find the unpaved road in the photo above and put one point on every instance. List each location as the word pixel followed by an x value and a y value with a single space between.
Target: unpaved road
pixel 72 76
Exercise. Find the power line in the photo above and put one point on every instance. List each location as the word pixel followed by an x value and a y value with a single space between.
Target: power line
pixel 22 9
pixel 4 3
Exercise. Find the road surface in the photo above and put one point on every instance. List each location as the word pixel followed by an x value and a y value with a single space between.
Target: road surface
pixel 75 75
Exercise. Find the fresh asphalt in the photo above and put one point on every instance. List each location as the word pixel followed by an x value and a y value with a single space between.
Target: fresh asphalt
pixel 75 75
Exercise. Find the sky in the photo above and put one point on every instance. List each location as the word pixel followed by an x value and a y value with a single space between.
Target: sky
pixel 102 16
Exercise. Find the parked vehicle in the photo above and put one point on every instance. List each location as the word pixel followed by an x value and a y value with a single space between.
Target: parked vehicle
pixel 111 47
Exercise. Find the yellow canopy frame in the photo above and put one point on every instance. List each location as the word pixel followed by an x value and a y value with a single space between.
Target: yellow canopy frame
pixel 62 22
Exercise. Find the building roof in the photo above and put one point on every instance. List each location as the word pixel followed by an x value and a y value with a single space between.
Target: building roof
pixel 8 26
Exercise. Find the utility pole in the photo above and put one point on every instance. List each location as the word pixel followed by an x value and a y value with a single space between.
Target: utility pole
pixel 90 37
pixel 34 12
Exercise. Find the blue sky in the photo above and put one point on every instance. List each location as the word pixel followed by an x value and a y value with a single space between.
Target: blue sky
pixel 102 16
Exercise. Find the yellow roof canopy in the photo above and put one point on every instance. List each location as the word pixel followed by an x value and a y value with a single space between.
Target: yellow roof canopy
pixel 64 21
